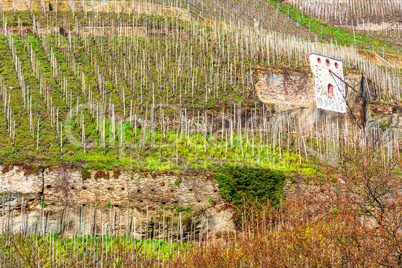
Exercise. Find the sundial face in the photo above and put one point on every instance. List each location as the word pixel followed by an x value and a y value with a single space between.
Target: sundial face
pixel 328 88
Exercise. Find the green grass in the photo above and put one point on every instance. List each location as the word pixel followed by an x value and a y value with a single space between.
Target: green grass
pixel 85 248
pixel 340 36
pixel 151 73
pixel 143 149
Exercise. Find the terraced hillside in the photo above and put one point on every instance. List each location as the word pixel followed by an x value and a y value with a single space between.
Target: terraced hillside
pixel 378 20
pixel 186 133
pixel 139 89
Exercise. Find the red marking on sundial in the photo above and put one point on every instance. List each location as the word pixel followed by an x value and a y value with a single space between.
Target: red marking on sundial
pixel 330 91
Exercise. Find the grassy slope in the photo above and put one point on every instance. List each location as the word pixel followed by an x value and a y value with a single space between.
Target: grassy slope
pixel 321 29
pixel 151 150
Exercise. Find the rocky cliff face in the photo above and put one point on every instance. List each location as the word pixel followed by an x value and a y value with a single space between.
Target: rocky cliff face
pixel 292 90
pixel 385 116
pixel 289 94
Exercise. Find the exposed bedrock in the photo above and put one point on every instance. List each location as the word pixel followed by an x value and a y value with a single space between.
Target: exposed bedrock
pixel 290 93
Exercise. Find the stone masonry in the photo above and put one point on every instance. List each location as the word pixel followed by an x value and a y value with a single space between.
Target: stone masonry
pixel 137 189
pixel 282 86
pixel 61 195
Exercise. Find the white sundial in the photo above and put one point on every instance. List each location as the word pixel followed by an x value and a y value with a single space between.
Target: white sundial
pixel 329 87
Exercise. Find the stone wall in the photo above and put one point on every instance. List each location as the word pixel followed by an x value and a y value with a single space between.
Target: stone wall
pixel 114 203
pixel 100 6
pixel 7 5
pixel 137 189
pixel 283 86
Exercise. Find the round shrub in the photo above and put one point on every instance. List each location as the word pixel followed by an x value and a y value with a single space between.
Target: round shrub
pixel 250 183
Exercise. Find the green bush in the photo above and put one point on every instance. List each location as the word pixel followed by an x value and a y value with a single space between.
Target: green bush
pixel 43 204
pixel 179 209
pixel 187 210
pixel 250 183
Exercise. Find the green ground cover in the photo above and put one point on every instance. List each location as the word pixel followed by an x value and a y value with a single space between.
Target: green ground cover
pixel 62 74
pixel 339 36
pixel 87 249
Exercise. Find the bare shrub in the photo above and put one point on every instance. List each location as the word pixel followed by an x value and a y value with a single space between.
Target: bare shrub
pixel 62 185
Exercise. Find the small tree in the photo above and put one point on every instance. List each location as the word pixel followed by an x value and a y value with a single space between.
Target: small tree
pixel 374 186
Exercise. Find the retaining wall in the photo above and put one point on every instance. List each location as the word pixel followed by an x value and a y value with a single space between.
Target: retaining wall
pixel 138 189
